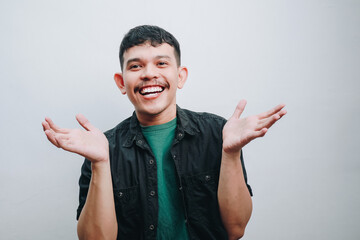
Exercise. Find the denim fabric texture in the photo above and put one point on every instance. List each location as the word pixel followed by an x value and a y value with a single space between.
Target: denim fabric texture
pixel 196 151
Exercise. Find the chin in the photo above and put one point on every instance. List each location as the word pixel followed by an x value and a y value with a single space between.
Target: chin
pixel 155 109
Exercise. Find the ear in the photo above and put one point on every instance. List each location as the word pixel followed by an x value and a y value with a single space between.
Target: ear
pixel 183 73
pixel 119 80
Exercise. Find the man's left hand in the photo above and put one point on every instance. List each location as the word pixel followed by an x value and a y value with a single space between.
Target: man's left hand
pixel 238 131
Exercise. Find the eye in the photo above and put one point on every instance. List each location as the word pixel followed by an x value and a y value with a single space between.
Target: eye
pixel 162 64
pixel 134 66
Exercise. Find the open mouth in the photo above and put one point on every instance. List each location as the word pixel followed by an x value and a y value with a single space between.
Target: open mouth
pixel 149 90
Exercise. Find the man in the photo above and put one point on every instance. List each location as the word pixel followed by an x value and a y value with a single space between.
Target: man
pixel 165 172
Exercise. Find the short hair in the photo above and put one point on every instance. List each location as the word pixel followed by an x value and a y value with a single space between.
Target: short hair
pixel 148 34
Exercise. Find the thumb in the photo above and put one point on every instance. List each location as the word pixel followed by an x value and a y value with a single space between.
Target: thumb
pixel 239 109
pixel 84 122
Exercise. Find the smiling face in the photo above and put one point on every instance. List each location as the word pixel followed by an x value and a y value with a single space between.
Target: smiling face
pixel 150 79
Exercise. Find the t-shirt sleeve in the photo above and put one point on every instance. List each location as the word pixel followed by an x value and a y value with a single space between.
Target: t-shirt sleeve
pixel 84 183
pixel 244 172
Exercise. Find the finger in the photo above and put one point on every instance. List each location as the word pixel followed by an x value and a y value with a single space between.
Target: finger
pixel 255 134
pixel 268 122
pixel 52 124
pixel 271 111
pixel 239 109
pixel 62 140
pixel 282 113
pixel 84 122
pixel 50 134
pixel 45 126
pixel 259 133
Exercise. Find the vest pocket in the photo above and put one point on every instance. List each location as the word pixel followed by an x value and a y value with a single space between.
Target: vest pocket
pixel 202 205
pixel 201 193
pixel 127 207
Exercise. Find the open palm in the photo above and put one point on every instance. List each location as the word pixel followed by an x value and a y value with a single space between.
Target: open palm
pixel 90 143
pixel 238 131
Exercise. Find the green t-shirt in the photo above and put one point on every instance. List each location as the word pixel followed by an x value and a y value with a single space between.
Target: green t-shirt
pixel 171 222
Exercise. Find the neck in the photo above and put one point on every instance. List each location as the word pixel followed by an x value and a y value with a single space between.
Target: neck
pixel 165 116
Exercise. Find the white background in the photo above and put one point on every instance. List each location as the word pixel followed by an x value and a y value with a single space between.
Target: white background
pixel 57 58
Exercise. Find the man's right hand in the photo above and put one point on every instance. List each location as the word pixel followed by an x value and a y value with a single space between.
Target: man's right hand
pixel 98 217
pixel 90 143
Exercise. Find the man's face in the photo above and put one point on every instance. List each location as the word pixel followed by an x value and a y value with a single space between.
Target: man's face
pixel 150 78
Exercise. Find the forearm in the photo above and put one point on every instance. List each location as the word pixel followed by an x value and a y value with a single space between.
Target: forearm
pixel 98 218
pixel 233 196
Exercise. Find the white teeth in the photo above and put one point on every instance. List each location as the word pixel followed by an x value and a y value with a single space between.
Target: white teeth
pixel 151 90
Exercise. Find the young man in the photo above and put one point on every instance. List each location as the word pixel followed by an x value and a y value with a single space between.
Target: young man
pixel 165 172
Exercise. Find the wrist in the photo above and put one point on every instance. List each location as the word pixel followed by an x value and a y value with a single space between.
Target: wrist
pixel 230 162
pixel 231 155
pixel 230 151
pixel 101 164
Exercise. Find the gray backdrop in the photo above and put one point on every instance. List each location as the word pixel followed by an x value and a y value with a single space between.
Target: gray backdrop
pixel 57 59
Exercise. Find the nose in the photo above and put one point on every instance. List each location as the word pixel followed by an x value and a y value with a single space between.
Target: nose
pixel 149 72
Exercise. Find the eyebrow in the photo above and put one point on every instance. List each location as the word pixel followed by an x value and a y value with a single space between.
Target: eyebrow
pixel 132 60
pixel 139 59
pixel 162 56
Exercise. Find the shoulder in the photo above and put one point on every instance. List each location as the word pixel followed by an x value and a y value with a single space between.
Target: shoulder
pixel 202 120
pixel 121 129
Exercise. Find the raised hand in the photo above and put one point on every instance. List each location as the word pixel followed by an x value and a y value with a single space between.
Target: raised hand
pixel 90 143
pixel 238 131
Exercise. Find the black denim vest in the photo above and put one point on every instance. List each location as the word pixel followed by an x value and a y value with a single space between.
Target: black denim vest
pixel 196 151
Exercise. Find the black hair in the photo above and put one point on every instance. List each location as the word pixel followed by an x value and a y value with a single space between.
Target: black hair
pixel 148 34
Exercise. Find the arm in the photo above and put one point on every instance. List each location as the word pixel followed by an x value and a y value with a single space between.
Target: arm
pixel 98 218
pixel 234 198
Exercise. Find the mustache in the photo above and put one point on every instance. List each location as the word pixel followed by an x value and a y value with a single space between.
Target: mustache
pixel 151 83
